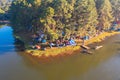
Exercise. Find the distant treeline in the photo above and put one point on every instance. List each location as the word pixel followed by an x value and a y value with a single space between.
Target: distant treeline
pixel 4 7
pixel 64 17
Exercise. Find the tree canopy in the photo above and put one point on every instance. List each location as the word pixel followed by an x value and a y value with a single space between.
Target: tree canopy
pixel 69 16
pixel 116 8
pixel 4 7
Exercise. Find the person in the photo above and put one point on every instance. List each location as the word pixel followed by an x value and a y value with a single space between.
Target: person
pixel 83 41
pixel 66 42
pixel 72 42
pixel 37 46
pixel 42 35
pixel 86 37
pixel 35 38
pixel 51 44
pixel 39 39
pixel 57 42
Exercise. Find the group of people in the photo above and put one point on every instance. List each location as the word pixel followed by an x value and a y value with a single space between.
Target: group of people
pixel 38 38
pixel 60 42
pixel 40 42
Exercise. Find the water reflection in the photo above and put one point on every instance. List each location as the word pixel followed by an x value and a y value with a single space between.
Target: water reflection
pixel 73 67
pixel 6 39
pixel 117 42
pixel 102 65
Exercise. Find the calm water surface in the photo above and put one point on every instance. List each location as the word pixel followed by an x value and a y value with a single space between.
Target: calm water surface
pixel 104 64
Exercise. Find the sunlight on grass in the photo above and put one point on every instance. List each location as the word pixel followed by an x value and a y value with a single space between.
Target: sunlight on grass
pixel 69 49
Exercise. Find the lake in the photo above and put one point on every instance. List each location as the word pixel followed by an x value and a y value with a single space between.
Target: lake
pixel 103 64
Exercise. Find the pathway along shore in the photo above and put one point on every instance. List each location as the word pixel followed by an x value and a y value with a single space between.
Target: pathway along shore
pixel 68 50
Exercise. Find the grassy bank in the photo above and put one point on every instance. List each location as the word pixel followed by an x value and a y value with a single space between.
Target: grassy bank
pixel 68 50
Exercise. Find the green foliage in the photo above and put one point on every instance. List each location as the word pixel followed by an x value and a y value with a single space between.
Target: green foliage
pixel 49 12
pixel 105 14
pixel 85 15
pixel 4 8
pixel 52 35
pixel 116 8
pixel 69 16
pixel 4 4
pixel 1 11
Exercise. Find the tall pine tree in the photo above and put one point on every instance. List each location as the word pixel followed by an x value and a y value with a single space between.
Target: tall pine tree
pixel 116 8
pixel 85 15
pixel 105 18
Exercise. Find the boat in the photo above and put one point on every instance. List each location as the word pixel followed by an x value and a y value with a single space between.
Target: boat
pixel 84 47
pixel 98 47
pixel 86 51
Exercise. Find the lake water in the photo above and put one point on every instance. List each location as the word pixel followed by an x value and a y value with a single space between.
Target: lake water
pixel 104 64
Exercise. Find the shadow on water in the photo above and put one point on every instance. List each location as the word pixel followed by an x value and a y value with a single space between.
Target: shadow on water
pixel 118 49
pixel 19 45
pixel 117 42
pixel 7 41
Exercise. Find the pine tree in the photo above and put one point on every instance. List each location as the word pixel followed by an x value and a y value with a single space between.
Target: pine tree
pixel 105 14
pixel 62 15
pixel 116 8
pixel 85 15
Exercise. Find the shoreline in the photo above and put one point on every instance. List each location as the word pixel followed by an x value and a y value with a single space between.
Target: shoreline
pixel 68 50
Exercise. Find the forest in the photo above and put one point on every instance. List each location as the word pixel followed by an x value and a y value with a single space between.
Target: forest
pixel 63 17
pixel 4 7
